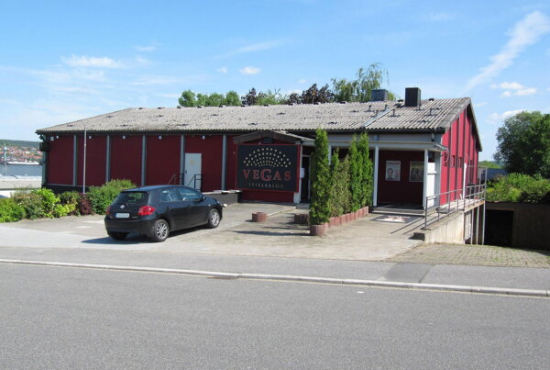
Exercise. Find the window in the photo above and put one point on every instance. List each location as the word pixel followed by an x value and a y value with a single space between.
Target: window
pixel 189 194
pixel 169 195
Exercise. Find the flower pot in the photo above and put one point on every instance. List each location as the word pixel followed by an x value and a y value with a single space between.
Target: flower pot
pixel 317 230
pixel 301 218
pixel 259 217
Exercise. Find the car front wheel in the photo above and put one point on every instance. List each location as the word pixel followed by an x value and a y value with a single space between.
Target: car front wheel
pixel 214 218
pixel 161 229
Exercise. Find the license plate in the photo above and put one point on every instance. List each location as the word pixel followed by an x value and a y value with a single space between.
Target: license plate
pixel 122 215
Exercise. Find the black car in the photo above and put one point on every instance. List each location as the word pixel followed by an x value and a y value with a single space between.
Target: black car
pixel 155 211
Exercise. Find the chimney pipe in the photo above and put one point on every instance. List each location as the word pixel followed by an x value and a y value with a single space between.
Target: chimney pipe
pixel 412 97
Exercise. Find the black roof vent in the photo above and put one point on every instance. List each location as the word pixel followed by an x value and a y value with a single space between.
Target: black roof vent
pixel 431 99
pixel 412 97
pixel 179 107
pixel 379 95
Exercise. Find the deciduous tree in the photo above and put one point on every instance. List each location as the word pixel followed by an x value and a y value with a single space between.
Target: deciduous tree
pixel 524 144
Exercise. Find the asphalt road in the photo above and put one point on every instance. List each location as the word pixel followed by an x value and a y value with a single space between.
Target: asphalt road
pixel 68 318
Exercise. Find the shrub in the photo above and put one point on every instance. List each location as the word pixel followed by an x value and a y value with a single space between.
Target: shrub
pixel 84 207
pixel 69 199
pixel 518 187
pixel 319 209
pixel 356 175
pixel 101 197
pixel 10 211
pixel 31 203
pixel 367 180
pixel 49 201
pixel 340 198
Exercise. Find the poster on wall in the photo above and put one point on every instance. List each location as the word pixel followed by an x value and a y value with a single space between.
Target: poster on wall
pixel 416 173
pixel 267 167
pixel 393 170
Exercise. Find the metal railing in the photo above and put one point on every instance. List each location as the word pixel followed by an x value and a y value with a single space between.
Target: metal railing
pixel 444 204
pixel 196 180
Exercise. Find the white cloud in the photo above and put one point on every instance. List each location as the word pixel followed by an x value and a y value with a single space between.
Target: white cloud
pixel 496 118
pixel 507 86
pixel 302 81
pixel 526 32
pixel 253 48
pixel 93 62
pixel 506 94
pixel 529 91
pixel 439 17
pixel 250 70
pixel 146 49
pixel 222 70
pixel 143 61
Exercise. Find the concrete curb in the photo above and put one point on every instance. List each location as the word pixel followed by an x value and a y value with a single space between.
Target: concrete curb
pixel 307 279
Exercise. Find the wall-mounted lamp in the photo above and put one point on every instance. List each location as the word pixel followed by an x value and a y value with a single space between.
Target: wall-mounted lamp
pixel 203 137
pixel 433 137
pixel 123 137
pixel 90 137
pixel 160 137
pixel 57 137
pixel 52 138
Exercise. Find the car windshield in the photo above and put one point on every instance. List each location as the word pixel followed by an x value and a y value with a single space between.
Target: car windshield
pixel 132 197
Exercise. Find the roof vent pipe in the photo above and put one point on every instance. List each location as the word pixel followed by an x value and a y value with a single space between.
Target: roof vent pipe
pixel 412 97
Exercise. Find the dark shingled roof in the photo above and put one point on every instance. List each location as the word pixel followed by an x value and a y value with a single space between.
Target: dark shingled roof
pixel 388 116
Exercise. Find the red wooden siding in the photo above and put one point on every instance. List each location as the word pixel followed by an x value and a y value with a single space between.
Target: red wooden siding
pixel 461 141
pixel 60 161
pixel 211 149
pixel 231 164
pixel 126 158
pixel 163 160
pixel 96 154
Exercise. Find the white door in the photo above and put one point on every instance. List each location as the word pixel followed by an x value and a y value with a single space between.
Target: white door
pixel 193 170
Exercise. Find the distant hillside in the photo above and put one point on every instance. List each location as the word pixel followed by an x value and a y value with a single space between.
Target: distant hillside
pixel 19 143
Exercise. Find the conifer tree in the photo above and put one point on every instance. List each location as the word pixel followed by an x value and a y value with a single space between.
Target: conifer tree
pixel 319 209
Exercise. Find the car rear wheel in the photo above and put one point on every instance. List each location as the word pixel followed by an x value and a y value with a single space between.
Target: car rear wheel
pixel 118 236
pixel 214 218
pixel 161 229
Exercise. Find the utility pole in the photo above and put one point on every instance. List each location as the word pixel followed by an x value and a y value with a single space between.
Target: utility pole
pixel 84 163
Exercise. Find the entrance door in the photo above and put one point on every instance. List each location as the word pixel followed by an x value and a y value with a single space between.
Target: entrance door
pixel 193 167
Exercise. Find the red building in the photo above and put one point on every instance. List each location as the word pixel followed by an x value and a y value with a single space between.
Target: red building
pixel 419 147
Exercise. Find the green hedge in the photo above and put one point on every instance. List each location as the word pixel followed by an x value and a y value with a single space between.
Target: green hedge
pixel 11 211
pixel 45 203
pixel 101 197
pixel 521 188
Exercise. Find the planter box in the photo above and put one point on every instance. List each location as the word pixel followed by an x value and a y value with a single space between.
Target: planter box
pixel 301 218
pixel 259 217
pixel 318 230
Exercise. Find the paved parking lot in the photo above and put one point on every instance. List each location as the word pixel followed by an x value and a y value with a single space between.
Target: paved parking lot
pixel 366 239
pixel 372 238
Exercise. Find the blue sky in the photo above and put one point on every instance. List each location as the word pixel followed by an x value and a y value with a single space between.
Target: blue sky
pixel 65 60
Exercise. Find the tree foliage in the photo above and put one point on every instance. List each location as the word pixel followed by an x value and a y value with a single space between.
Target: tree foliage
pixel 343 90
pixel 367 179
pixel 189 99
pixel 517 187
pixel 319 209
pixel 356 175
pixel 340 200
pixel 360 89
pixel 524 144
